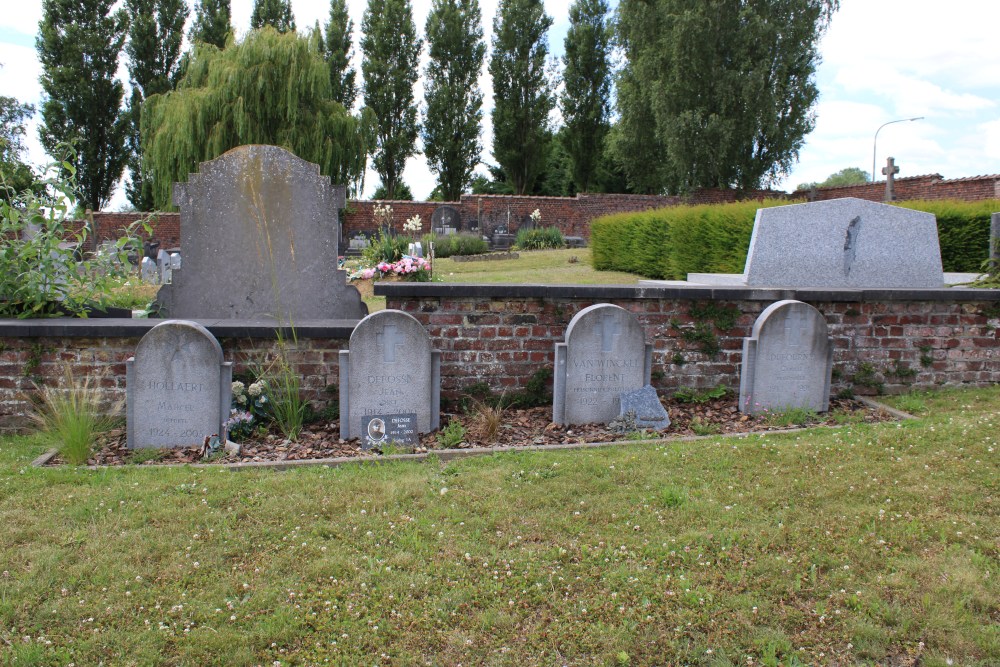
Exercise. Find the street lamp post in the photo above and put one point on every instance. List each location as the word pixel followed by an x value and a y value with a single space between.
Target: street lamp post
pixel 875 142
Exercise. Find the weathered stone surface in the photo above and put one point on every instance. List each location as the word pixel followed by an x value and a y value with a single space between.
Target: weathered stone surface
pixel 649 412
pixel 391 374
pixel 847 242
pixel 177 387
pixel 787 361
pixel 259 229
pixel 605 354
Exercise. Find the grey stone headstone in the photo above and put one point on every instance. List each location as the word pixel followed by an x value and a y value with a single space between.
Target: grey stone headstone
pixel 259 229
pixel 390 373
pixel 605 354
pixel 163 265
pixel 175 261
pixel 177 387
pixel 649 412
pixel 148 271
pixel 445 216
pixel 787 360
pixel 844 243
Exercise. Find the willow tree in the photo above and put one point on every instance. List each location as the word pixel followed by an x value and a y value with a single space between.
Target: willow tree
pixel 270 88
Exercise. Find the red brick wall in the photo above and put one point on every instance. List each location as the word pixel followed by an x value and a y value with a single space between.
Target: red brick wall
pixel 166 227
pixel 930 186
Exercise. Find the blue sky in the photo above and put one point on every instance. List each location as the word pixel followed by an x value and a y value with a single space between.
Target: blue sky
pixel 882 61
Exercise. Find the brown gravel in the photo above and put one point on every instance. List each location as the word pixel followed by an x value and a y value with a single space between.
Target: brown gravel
pixel 519 427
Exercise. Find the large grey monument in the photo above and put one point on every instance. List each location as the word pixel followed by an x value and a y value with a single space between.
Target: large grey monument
pixel 844 243
pixel 787 360
pixel 259 233
pixel 177 387
pixel 605 354
pixel 390 381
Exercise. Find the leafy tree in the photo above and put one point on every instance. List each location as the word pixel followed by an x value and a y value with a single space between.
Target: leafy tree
pixel 842 178
pixel 270 88
pixel 154 50
pixel 78 46
pixel 15 175
pixel 403 193
pixel 522 91
pixel 585 103
pixel 391 50
pixel 275 13
pixel 213 23
pixel 454 100
pixel 716 93
pixel 337 50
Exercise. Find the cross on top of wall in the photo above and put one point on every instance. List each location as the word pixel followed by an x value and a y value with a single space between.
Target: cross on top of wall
pixel 889 171
pixel 389 340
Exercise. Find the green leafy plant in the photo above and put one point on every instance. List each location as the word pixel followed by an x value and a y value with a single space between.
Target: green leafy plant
pixel 791 417
pixel 692 395
pixel 539 239
pixel 452 435
pixel 455 244
pixel 42 270
pixel 704 428
pixel 926 356
pixel 384 247
pixel 72 416
pixel 867 375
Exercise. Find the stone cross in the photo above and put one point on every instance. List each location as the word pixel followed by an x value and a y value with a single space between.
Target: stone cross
pixel 795 328
pixel 389 340
pixel 609 329
pixel 890 170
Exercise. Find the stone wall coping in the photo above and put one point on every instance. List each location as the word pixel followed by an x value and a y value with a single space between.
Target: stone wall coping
pixel 111 327
pixel 694 292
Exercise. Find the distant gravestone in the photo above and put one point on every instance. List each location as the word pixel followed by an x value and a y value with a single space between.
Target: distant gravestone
pixel 148 271
pixel 390 381
pixel 844 243
pixel 645 405
pixel 787 361
pixel 605 354
pixel 445 217
pixel 259 229
pixel 177 387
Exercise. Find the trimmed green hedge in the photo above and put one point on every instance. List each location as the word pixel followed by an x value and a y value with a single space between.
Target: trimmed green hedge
pixel 669 243
pixel 450 245
pixel 539 238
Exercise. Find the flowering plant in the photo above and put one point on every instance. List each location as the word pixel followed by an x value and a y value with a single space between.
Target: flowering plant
pixel 250 406
pixel 535 216
pixel 239 425
pixel 414 224
pixel 416 269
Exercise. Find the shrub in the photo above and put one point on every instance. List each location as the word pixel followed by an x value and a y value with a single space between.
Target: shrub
pixel 963 231
pixel 72 416
pixel 455 244
pixel 384 247
pixel 539 239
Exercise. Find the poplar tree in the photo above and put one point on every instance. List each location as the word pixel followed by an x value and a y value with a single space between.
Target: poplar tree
pixel 270 88
pixel 275 13
pixel 451 89
pixel 338 47
pixel 213 23
pixel 154 50
pixel 15 175
pixel 78 45
pixel 716 93
pixel 585 103
pixel 522 91
pixel 391 51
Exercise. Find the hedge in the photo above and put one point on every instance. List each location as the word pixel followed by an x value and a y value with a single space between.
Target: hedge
pixel 669 243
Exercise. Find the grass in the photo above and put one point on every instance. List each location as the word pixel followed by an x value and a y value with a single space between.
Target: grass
pixel 866 544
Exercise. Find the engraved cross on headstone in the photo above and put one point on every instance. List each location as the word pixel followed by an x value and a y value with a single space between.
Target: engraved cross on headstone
pixel 389 340
pixel 795 329
pixel 890 170
pixel 610 328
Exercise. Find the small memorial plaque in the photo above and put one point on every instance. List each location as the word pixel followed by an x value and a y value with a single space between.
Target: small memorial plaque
pixel 394 429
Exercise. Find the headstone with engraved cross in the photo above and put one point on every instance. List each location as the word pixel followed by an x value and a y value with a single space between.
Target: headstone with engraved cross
pixel 390 382
pixel 890 170
pixel 605 354
pixel 787 360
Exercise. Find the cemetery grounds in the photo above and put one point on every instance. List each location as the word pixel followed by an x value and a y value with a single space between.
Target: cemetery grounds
pixel 867 543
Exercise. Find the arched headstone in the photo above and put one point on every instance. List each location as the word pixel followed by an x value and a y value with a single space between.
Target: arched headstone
pixel 787 360
pixel 446 218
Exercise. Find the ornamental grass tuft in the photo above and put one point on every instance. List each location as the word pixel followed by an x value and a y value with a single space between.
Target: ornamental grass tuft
pixel 72 416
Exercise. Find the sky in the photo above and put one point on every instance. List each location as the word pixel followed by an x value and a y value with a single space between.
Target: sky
pixel 882 61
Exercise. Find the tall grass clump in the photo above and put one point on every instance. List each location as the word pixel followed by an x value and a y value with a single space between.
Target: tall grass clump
pixel 288 407
pixel 455 244
pixel 71 416
pixel 539 239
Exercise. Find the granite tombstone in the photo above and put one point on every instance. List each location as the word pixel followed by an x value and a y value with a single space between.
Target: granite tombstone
pixel 390 381
pixel 645 405
pixel 259 229
pixel 177 387
pixel 787 360
pixel 844 243
pixel 605 354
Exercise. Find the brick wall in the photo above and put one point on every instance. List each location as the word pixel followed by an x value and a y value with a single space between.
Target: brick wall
pixel 502 335
pixel 930 186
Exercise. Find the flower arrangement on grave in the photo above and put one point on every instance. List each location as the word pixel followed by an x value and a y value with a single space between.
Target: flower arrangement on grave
pixel 250 408
pixel 415 269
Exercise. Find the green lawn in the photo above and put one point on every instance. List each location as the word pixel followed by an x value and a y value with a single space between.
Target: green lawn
pixel 860 545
